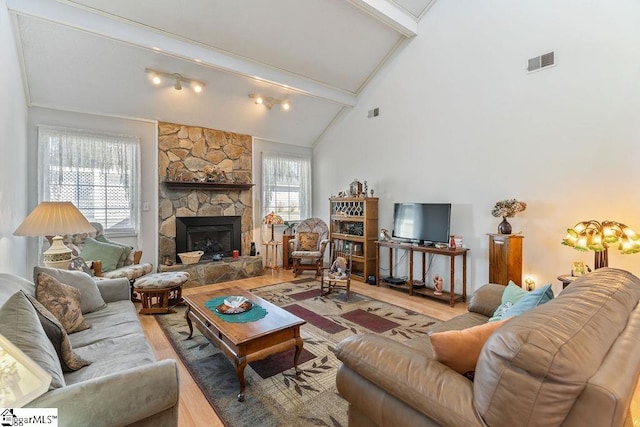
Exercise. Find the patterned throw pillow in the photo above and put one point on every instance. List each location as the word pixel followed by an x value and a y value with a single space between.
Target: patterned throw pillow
pixel 308 241
pixel 69 360
pixel 63 301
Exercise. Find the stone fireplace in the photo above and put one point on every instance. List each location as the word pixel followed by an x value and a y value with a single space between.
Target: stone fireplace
pixel 214 235
pixel 186 152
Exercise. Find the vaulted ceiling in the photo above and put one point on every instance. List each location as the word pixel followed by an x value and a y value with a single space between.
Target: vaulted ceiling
pixel 91 55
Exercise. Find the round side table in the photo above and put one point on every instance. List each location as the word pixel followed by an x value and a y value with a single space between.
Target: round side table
pixel 566 279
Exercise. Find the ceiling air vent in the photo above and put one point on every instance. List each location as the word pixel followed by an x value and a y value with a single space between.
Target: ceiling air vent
pixel 541 61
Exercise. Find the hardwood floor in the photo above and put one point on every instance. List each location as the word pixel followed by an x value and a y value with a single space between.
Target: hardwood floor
pixel 194 407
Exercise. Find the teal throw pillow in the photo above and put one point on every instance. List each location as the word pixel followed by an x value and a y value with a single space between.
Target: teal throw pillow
pixel 511 295
pixel 106 252
pixel 125 254
pixel 532 299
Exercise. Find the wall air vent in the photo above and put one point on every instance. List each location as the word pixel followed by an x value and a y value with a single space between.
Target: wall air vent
pixel 542 61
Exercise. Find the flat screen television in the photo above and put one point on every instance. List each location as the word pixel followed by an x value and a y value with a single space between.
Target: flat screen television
pixel 426 223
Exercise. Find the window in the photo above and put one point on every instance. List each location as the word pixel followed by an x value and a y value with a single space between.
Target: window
pixel 286 186
pixel 97 172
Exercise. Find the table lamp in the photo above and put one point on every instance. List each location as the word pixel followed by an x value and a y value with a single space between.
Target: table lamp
pixel 53 219
pixel 272 219
pixel 21 379
pixel 599 237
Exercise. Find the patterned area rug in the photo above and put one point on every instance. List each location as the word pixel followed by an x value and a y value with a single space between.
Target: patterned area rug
pixel 275 396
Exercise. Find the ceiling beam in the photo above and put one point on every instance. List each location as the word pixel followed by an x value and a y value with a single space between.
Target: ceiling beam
pixel 140 36
pixel 390 14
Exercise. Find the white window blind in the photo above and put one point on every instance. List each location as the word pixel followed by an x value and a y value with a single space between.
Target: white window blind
pixel 97 172
pixel 286 186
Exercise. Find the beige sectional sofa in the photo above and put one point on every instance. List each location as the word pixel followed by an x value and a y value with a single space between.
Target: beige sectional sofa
pixel 124 384
pixel 573 361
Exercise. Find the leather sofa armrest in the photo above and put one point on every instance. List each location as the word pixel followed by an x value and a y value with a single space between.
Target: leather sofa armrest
pixel 486 299
pixel 411 376
pixel 117 399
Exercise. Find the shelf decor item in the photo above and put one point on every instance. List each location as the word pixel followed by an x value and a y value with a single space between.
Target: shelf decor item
pixel 507 209
pixel 272 219
pixel 355 188
pixel 599 237
pixel 52 220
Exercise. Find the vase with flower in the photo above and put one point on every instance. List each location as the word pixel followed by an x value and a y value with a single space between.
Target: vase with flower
pixel 507 209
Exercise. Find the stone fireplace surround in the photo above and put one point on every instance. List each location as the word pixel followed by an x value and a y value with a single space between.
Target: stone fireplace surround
pixel 185 151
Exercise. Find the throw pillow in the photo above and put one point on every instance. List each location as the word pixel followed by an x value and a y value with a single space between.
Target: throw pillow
pixel 461 349
pixel 125 255
pixel 308 241
pixel 19 324
pixel 91 299
pixel 63 301
pixel 106 252
pixel 512 294
pixel 58 337
pixel 532 299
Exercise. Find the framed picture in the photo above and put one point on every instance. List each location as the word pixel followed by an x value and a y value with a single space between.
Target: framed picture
pixel 355 188
pixel 578 268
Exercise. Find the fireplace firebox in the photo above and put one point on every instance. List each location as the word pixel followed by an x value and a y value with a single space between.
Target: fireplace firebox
pixel 214 235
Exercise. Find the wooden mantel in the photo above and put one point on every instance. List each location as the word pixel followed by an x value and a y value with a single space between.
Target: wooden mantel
pixel 210 186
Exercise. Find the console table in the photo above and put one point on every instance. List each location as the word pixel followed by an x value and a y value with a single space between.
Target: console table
pixel 425 290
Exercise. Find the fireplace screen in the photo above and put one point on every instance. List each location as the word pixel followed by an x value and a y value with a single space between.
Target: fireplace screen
pixel 214 235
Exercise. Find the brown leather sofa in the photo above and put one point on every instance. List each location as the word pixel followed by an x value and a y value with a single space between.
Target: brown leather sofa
pixel 573 361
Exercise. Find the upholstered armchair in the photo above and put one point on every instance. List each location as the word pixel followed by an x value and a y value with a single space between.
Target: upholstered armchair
pixel 111 264
pixel 307 248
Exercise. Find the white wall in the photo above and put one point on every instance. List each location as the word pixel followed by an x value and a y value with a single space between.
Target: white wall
pixel 147 240
pixel 13 161
pixel 461 121
pixel 265 146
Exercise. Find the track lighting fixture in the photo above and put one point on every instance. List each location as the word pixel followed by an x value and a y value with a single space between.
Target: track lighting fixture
pixel 269 101
pixel 157 77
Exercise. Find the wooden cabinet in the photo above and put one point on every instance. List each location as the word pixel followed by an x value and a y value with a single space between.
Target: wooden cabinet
pixel 505 258
pixel 354 225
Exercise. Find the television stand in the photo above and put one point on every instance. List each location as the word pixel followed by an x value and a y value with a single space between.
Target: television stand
pixel 450 296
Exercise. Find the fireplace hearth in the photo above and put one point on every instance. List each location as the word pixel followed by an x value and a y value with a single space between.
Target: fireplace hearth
pixel 214 235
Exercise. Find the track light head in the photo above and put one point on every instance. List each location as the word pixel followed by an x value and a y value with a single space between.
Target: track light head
pixel 156 78
pixel 269 102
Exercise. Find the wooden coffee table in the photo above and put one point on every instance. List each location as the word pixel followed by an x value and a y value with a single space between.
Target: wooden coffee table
pixel 244 343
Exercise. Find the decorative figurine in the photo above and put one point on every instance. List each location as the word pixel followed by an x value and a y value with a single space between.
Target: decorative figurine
pixel 437 285
pixel 384 235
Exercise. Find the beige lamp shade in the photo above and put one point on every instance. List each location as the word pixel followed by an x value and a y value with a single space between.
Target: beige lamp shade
pixel 54 219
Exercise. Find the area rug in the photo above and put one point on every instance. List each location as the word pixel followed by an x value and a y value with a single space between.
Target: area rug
pixel 275 396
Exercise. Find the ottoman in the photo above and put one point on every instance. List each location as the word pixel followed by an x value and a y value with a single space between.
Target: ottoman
pixel 160 292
